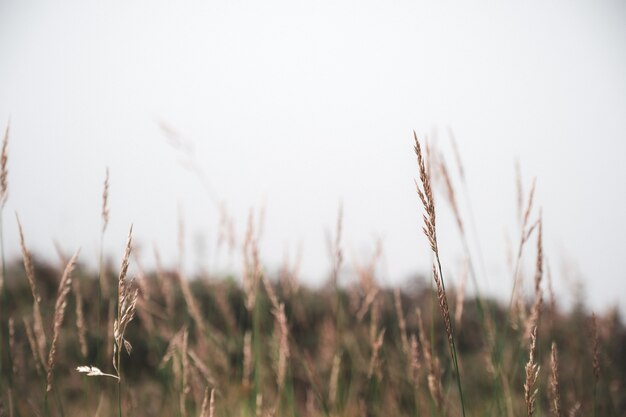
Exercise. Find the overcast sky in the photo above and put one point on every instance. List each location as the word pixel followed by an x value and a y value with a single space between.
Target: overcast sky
pixel 296 106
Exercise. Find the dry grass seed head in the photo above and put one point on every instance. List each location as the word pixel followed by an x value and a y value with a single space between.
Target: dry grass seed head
pixel 12 347
pixel 533 319
pixel 289 274
pixel 426 197
pixel 553 388
pixel 271 294
pixel 208 404
pixel 553 308
pixel 192 305
pixel 432 361
pixel 105 202
pixel 126 305
pixel 375 365
pixel 250 265
pixel 283 348
pixel 529 206
pixel 443 304
pixel 415 363
pixel 532 372
pixel 59 313
pixel 185 361
pixel 37 358
pixel 80 318
pixel 336 252
pixel 200 366
pixel 595 341
pixel 575 410
pixel 3 168
pixel 38 326
pixel 401 322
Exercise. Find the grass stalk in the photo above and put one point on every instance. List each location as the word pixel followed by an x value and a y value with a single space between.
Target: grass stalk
pixel 3 293
pixel 102 279
pixel 425 194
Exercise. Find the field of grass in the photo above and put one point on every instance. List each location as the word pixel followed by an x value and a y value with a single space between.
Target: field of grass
pixel 78 342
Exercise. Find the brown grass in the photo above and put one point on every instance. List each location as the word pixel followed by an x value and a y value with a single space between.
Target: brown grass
pixel 38 327
pixel 274 348
pixel 553 387
pixel 532 373
pixel 65 287
pixel 4 187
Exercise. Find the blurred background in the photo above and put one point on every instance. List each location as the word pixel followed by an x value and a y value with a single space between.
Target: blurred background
pixel 295 108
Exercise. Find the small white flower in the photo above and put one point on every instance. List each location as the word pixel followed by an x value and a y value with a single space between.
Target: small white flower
pixel 93 371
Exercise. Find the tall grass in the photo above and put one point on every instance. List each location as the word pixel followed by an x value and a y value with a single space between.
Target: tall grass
pixel 264 345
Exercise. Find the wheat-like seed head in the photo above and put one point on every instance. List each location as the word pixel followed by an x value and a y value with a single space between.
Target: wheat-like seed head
pixel 432 361
pixel 271 294
pixel 553 388
pixel 38 326
pixel 37 358
pixel 551 294
pixel 530 204
pixel 426 197
pixel 289 274
pixel 596 356
pixel 59 313
pixel 370 297
pixel 337 252
pixel 11 325
pixel 126 306
pixel 283 347
pixel 259 405
pixel 415 363
pixel 575 410
pixel 172 347
pixel 80 318
pixel 201 367
pixel 535 312
pixel 401 322
pixel 185 361
pixel 208 404
pixel 443 304
pixel 186 388
pixel 539 262
pixel 374 368
pixel 105 202
pixel 4 193
pixel 192 305
pixel 251 268
pixel 532 372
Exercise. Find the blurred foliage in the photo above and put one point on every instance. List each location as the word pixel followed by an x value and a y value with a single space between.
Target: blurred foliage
pixel 320 329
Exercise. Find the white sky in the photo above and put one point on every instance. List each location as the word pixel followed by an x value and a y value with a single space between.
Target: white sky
pixel 298 105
